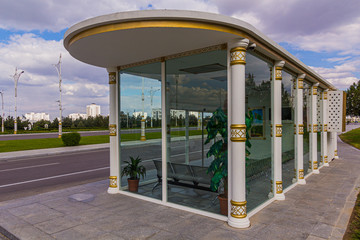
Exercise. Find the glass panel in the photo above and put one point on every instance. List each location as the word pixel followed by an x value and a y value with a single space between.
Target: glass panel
pixel 195 87
pixel 306 145
pixel 140 103
pixel 288 139
pixel 258 103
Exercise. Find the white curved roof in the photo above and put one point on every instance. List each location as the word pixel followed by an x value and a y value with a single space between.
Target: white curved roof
pixel 127 37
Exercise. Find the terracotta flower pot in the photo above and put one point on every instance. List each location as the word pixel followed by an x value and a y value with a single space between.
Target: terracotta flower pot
pixel 223 204
pixel 133 185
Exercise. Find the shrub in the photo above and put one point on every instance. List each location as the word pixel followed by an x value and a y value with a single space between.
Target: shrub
pixel 71 139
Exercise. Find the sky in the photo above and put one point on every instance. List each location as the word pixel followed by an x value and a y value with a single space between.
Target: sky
pixel 324 34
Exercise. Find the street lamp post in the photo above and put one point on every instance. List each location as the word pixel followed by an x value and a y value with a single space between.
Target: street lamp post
pixel 16 79
pixel 3 114
pixel 152 93
pixel 58 69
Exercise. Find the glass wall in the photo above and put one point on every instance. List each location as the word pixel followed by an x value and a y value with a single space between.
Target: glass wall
pixel 258 104
pixel 288 140
pixel 140 101
pixel 306 114
pixel 196 87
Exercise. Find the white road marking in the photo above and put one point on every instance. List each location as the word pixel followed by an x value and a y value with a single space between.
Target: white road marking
pixel 42 165
pixel 57 176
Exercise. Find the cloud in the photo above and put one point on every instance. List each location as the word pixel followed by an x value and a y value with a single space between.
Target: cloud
pixel 38 87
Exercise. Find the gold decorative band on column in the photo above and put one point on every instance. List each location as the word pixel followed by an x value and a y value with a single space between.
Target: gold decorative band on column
pixel 278 73
pixel 294 128
pixel 271 74
pixel 315 165
pixel 238 56
pixel 60 123
pixel 300 83
pixel 278 130
pixel 301 173
pixel 112 77
pixel 143 120
pixel 314 90
pixel 238 209
pixel 325 127
pixel 309 128
pixel 320 128
pixel 325 96
pixel 271 134
pixel 295 173
pixel 336 153
pixel 301 129
pixel 113 181
pixel 321 159
pixel 325 159
pixel 112 129
pixel 279 188
pixel 315 128
pixel 238 132
pixel 271 182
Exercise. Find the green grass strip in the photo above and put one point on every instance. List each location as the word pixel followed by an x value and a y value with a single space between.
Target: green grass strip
pixel 352 137
pixel 31 144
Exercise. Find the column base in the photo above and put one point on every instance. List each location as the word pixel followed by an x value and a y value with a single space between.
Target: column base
pixel 239 222
pixel 280 196
pixel 294 180
pixel 270 195
pixel 336 157
pixel 326 164
pixel 112 190
pixel 301 181
pixel 142 138
pixel 316 171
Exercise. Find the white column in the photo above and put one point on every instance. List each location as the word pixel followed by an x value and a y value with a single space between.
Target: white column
pixel 334 139
pixel 330 147
pixel 187 143
pixel 324 151
pixel 299 129
pixel 238 216
pixel 143 137
pixel 276 107
pixel 313 127
pixel 114 158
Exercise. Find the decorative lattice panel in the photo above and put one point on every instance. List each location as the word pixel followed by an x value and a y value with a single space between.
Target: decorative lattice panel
pixel 318 108
pixel 336 111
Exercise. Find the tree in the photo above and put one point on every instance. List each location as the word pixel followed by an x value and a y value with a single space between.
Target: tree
pixel 353 100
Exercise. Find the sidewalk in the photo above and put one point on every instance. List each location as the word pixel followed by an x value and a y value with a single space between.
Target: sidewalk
pixel 318 210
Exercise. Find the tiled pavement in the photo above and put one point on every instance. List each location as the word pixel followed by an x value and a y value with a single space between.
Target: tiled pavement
pixel 318 210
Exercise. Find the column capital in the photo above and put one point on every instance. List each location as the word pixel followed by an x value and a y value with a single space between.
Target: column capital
pixel 279 64
pixel 238 52
pixel 301 76
pixel 240 42
pixel 111 69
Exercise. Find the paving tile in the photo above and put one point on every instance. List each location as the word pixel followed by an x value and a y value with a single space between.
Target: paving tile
pixel 83 231
pixel 136 231
pixel 322 230
pixel 165 235
pixel 311 237
pixel 58 224
pixel 30 233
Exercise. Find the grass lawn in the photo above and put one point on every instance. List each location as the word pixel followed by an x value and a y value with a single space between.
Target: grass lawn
pixel 352 137
pixel 30 144
pixel 353 230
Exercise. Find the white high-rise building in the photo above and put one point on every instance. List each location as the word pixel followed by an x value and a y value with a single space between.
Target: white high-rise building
pixel 75 116
pixel 34 117
pixel 136 114
pixel 92 110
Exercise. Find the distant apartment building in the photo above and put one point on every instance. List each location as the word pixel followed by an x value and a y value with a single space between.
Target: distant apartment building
pixel 136 114
pixel 34 117
pixel 75 116
pixel 156 113
pixel 92 110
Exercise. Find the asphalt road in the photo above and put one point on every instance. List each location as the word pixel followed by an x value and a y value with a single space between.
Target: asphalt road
pixel 33 175
pixel 6 137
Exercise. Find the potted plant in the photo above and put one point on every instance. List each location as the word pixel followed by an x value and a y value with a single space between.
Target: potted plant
pixel 134 170
pixel 219 166
pixel 219 150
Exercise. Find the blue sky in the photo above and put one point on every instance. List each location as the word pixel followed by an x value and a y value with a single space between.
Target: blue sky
pixel 324 34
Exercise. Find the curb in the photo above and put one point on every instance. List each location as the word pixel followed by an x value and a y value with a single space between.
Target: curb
pixel 7 234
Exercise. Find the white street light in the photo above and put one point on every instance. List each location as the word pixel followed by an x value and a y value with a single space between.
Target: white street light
pixel 3 114
pixel 152 93
pixel 16 79
pixel 58 69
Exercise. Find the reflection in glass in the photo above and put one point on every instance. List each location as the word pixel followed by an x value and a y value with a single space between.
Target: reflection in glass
pixel 196 86
pixel 140 100
pixel 258 103
pixel 288 140
pixel 306 145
